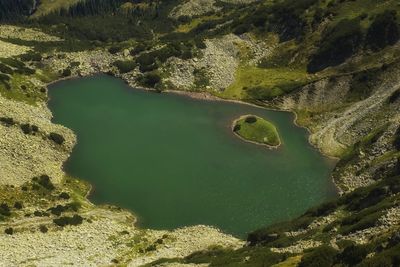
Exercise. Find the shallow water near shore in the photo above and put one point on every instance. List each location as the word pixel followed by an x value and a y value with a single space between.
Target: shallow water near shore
pixel 174 161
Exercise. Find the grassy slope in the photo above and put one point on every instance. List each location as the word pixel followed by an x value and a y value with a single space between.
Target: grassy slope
pixel 260 131
pixel 270 79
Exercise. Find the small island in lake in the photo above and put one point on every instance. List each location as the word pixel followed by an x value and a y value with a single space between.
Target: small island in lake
pixel 254 129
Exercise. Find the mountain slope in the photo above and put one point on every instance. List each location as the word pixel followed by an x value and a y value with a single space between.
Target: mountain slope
pixel 335 63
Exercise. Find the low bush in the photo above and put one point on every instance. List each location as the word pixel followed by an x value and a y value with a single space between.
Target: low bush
pixel 147 62
pixel 353 254
pixel 43 229
pixel 396 141
pixel 394 97
pixel 7 121
pixel 364 223
pixel 150 79
pixel 44 181
pixel 125 66
pixel 57 138
pixel 5 210
pixel 26 128
pixel 200 44
pixel 57 210
pixel 18 205
pixel 31 56
pixel 250 119
pixel 66 73
pixel 323 209
pixel 9 231
pixel 5 69
pixel 66 220
pixel 337 44
pixel 139 48
pixel 321 256
pixel 362 84
pixel 114 49
pixel 64 195
pixel 384 31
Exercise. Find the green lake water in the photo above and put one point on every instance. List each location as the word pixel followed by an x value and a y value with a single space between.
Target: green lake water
pixel 173 161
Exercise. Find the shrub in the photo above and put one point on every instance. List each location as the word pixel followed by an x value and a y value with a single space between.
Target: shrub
pixel 125 66
pixel 200 44
pixel 396 141
pixel 250 119
pixel 64 195
pixel 138 49
pixel 114 49
pixel 150 79
pixel 5 210
pixel 236 128
pixel 201 79
pixel 364 223
pixel 7 121
pixel 352 255
pixel 337 44
pixel 57 210
pixel 287 18
pixel 66 220
pixel 322 256
pixel 394 97
pixel 18 205
pixel 9 231
pixel 38 213
pixel 31 57
pixel 75 64
pixel 66 73
pixel 323 209
pixel 43 229
pixel 242 28
pixel 383 31
pixel 26 128
pixel 147 62
pixel 362 84
pixel 5 69
pixel 44 181
pixel 57 138
pixel 261 237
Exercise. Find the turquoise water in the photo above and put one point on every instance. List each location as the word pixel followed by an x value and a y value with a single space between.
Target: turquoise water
pixel 174 161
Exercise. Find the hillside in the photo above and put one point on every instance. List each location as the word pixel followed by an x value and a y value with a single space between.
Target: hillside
pixel 334 63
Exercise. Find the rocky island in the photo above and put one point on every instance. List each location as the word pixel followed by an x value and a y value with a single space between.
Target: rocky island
pixel 257 130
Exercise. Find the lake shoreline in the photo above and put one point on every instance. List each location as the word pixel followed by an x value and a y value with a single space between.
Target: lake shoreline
pixel 201 96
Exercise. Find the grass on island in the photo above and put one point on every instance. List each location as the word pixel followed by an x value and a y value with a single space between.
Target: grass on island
pixel 256 129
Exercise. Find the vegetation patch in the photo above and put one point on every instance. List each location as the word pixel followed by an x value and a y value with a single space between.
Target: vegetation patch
pixel 257 130
pixel 255 83
pixel 125 66
pixel 338 44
